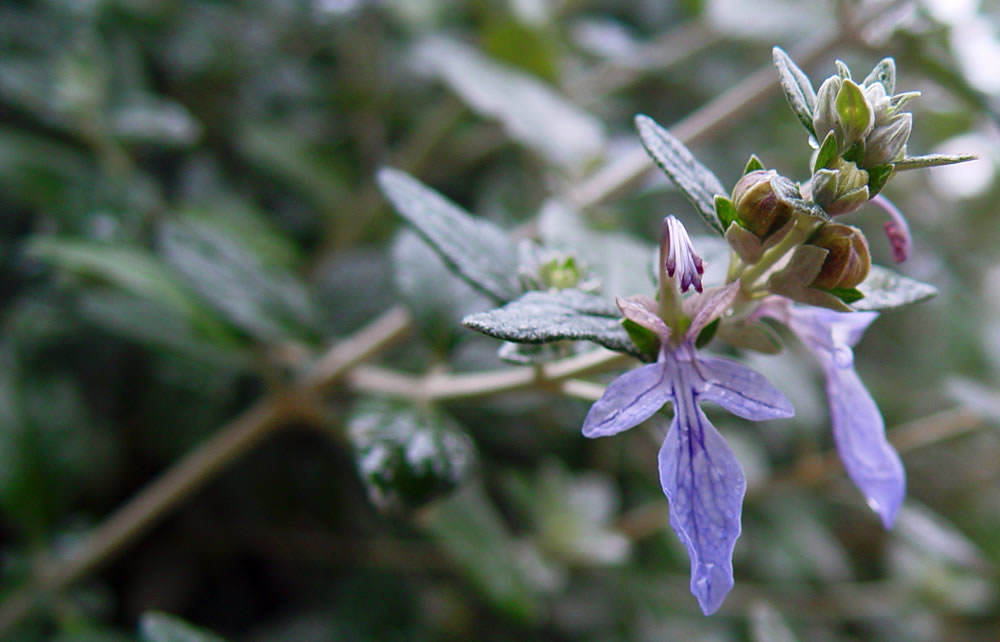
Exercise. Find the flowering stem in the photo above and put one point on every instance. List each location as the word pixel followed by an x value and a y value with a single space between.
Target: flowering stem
pixel 803 228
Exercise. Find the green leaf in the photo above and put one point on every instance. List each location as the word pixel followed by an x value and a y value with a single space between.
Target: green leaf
pixel 470 529
pixel 541 317
pixel 885 289
pixel 696 181
pixel 753 165
pixel 645 340
pixel 878 176
pixel 885 73
pixel 437 297
pixel 932 160
pixel 725 210
pixel 265 301
pixel 827 152
pixel 847 295
pixel 160 627
pixel 133 270
pixel 798 90
pixel 476 249
pixel 707 334
pixel 531 111
pixel 407 455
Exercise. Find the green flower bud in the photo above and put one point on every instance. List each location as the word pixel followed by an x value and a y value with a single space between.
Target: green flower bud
pixel 855 116
pixel 825 114
pixel 840 189
pixel 887 143
pixel 761 201
pixel 848 260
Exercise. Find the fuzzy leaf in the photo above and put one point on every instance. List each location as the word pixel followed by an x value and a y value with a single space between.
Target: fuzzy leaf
pixel 932 160
pixel 698 183
pixel 885 289
pixel 160 627
pixel 798 90
pixel 477 250
pixel 878 176
pixel 885 73
pixel 532 112
pixel 827 152
pixel 540 317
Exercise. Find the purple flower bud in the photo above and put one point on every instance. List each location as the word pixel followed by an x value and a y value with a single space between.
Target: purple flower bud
pixel 678 256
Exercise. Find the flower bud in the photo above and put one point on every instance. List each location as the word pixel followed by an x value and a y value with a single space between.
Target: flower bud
pixel 677 256
pixel 825 114
pixel 848 261
pixel 886 143
pixel 761 201
pixel 840 189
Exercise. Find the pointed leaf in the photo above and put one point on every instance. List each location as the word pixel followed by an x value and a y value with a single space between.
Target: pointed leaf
pixel 885 289
pixel 932 160
pixel 798 90
pixel 827 152
pixel 697 182
pixel 532 112
pixel 878 176
pixel 725 210
pixel 479 251
pixel 753 164
pixel 847 295
pixel 541 317
pixel 854 113
pixel 884 73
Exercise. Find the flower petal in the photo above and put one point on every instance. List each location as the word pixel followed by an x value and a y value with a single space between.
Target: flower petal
pixel 704 483
pixel 741 391
pixel 859 432
pixel 710 306
pixel 628 401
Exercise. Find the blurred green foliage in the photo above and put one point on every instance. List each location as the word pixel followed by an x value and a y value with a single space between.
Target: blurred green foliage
pixel 189 214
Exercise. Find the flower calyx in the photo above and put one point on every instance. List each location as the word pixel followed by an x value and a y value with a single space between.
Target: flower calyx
pixel 847 261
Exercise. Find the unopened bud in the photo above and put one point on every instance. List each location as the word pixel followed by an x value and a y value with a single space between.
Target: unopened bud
pixel 825 114
pixel 840 189
pixel 677 256
pixel 848 261
pixel 886 143
pixel 761 201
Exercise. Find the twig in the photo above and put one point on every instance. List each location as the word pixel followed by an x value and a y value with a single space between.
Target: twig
pixel 195 469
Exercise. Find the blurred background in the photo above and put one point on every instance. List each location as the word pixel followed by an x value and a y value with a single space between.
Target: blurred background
pixel 189 218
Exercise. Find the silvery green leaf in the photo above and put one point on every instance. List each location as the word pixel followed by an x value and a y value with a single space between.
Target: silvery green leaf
pixel 620 262
pixel 407 455
pixel 265 300
pixel 470 529
pixel 797 87
pixel 531 111
pixel 885 73
pixel 885 289
pixel 437 297
pixel 541 317
pixel 476 249
pixel 767 625
pixel 160 627
pixel 932 160
pixel 155 120
pixel 133 270
pixel 696 181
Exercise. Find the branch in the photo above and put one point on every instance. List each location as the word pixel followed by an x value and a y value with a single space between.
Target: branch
pixel 230 442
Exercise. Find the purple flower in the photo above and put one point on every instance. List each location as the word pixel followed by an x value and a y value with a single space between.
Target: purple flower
pixel 858 429
pixel 700 475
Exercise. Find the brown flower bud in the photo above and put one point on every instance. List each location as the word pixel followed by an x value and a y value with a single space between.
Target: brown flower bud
pixel 848 261
pixel 760 201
